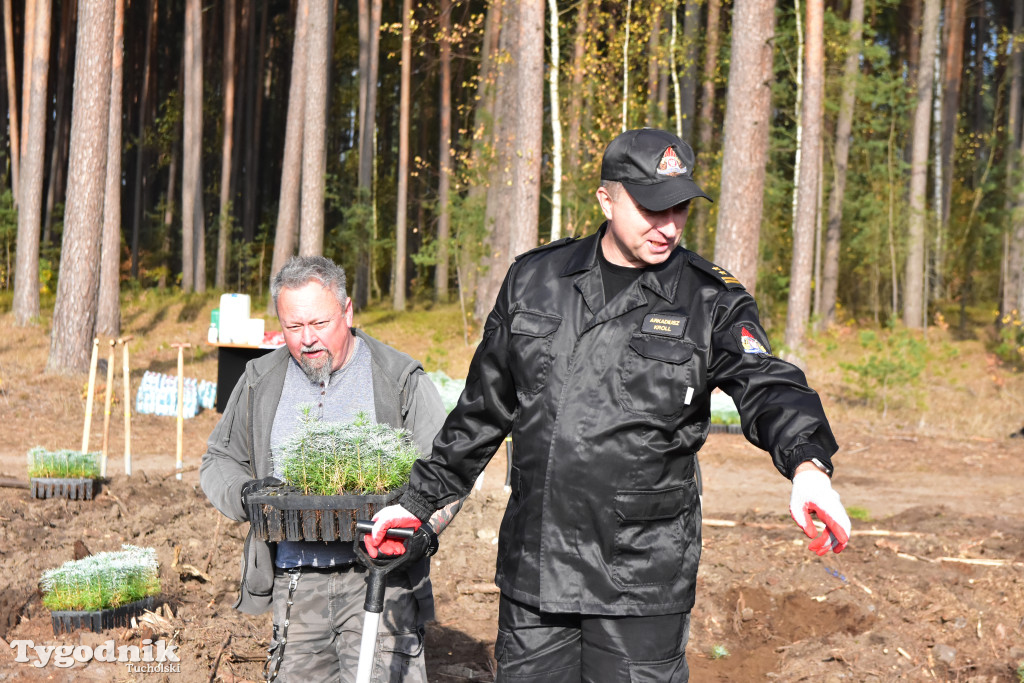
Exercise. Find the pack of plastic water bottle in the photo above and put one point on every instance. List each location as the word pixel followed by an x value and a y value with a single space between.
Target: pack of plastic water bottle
pixel 158 395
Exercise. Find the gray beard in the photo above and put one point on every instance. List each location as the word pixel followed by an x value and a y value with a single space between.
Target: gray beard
pixel 318 374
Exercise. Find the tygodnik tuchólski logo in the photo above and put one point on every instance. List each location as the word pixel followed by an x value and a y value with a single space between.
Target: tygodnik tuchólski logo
pixel 150 657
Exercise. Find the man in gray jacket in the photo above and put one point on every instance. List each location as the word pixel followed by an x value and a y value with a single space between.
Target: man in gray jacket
pixel 317 589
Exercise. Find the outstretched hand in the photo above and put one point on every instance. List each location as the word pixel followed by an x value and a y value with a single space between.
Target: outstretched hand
pixel 391 517
pixel 813 493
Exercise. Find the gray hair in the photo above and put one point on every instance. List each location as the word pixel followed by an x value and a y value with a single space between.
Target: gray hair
pixel 614 187
pixel 299 271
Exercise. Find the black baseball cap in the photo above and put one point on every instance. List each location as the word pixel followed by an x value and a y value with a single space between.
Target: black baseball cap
pixel 654 166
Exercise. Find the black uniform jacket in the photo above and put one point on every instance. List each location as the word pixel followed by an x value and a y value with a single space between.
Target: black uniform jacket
pixel 607 403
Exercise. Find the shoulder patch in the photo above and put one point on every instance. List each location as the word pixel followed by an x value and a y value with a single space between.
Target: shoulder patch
pixel 749 341
pixel 717 272
pixel 550 245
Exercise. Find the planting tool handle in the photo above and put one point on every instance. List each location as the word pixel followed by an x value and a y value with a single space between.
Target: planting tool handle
pixel 365 526
pixel 379 567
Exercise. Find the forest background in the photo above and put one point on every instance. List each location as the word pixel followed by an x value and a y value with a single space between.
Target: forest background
pixel 865 156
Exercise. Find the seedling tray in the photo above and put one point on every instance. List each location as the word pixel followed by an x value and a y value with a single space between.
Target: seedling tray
pixel 54 487
pixel 725 429
pixel 98 620
pixel 286 514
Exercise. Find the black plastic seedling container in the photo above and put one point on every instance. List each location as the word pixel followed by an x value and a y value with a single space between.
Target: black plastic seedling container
pixel 98 620
pixel 54 487
pixel 282 513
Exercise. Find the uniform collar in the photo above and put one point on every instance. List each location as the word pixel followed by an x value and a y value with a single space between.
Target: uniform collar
pixel 661 279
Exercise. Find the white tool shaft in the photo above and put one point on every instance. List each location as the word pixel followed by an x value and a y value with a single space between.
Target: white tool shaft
pixel 367 647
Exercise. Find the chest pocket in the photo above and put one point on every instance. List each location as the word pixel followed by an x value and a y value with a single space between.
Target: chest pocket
pixel 532 336
pixel 654 376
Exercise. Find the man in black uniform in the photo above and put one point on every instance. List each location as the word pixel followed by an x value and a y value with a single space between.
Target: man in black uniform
pixel 599 357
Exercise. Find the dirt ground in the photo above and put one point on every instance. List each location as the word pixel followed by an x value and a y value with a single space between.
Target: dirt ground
pixel 930 588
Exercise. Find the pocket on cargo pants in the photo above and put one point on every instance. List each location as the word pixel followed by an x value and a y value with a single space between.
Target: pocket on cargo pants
pixel 399 658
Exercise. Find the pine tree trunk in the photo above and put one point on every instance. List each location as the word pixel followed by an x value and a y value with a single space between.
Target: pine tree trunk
pixel 913 282
pixel 398 293
pixel 706 121
pixel 144 103
pixel 953 78
pixel 12 99
pixel 653 66
pixel 688 82
pixel 500 185
pixel 745 148
pixel 192 215
pixel 74 314
pixel 625 65
pixel 250 217
pixel 26 280
pixel 518 135
pixel 1014 281
pixel 370 13
pixel 108 310
pixel 804 228
pixel 446 168
pixel 841 156
pixel 286 235
pixel 529 127
pixel 314 131
pixel 58 151
pixel 575 113
pixel 224 223
pixel 575 116
pixel 28 50
pixel 556 128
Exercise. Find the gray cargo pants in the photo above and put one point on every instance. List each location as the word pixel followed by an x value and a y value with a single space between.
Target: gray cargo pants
pixel 326 625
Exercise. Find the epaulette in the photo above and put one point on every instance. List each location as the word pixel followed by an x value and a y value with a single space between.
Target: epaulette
pixel 719 273
pixel 550 245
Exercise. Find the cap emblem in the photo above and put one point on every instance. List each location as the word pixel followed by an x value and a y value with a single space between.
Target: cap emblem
pixel 669 164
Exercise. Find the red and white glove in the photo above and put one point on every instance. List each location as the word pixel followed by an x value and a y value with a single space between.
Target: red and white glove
pixel 391 517
pixel 813 492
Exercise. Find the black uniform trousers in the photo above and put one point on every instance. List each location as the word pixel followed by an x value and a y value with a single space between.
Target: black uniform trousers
pixel 542 647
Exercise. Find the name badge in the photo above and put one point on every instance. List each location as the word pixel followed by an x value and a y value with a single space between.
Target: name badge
pixel 664 324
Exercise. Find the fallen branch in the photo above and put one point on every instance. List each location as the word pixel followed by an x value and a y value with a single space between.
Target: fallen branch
pixel 10 483
pixel 216 660
pixel 190 468
pixel 121 506
pixel 729 524
pixel 191 571
pixel 884 532
pixel 982 562
pixel 477 588
pixel 214 545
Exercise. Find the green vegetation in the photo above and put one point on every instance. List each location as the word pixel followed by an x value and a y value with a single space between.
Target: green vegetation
pixel 858 513
pixel 360 457
pixel 1010 345
pixel 102 580
pixel 725 417
pixel 63 464
pixel 892 362
pixel 719 652
pixel 1020 672
pixel 450 389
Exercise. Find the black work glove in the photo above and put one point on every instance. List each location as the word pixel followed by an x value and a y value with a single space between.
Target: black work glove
pixel 254 485
pixel 422 544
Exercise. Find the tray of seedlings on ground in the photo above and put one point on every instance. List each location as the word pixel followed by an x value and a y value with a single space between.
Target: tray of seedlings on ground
pixel 101 591
pixel 63 473
pixel 334 473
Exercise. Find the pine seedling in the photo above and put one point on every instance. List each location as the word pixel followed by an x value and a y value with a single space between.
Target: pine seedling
pixel 63 464
pixel 337 458
pixel 103 580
